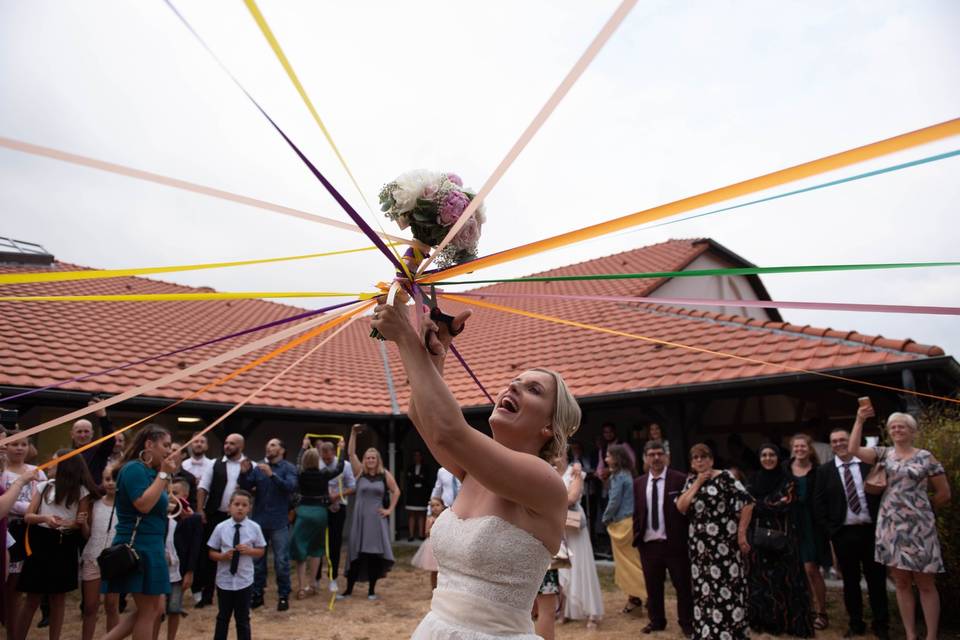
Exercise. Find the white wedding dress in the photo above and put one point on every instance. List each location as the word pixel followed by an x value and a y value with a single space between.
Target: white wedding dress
pixel 490 572
pixel 581 586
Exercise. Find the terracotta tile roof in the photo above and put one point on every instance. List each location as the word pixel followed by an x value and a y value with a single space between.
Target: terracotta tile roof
pixel 43 342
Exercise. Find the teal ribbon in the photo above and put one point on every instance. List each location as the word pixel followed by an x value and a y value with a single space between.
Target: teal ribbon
pixel 832 183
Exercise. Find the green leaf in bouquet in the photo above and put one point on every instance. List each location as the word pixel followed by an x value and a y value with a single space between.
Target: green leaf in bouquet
pixel 424 215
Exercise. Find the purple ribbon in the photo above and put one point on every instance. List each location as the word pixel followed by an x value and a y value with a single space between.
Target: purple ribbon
pixel 350 211
pixel 472 374
pixel 357 219
pixel 269 325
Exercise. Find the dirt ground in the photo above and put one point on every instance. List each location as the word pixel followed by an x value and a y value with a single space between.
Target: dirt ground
pixel 404 600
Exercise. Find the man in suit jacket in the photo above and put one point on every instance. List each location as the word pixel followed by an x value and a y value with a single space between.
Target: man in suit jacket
pixel 849 515
pixel 660 533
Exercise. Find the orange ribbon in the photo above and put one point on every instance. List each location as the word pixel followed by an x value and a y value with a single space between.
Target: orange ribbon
pixel 791 174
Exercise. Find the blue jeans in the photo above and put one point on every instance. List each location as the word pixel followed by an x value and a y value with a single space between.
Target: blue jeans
pixel 278 541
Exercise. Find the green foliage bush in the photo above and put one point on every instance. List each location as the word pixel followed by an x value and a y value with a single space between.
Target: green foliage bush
pixel 940 434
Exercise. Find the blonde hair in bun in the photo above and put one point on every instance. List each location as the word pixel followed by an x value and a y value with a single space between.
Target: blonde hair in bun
pixel 566 418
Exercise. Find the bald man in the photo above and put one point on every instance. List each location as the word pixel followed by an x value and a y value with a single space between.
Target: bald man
pixel 81 433
pixel 217 484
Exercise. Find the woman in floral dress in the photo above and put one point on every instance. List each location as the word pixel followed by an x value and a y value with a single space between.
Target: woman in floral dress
pixel 719 509
pixel 907 539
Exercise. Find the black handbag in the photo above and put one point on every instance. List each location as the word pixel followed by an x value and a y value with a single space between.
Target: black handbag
pixel 121 559
pixel 769 540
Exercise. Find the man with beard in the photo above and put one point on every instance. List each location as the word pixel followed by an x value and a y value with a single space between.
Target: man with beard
pixel 198 463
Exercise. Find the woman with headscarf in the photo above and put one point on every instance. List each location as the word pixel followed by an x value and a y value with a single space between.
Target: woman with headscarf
pixel 778 599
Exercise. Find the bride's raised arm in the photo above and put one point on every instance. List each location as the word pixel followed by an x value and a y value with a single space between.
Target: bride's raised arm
pixel 511 472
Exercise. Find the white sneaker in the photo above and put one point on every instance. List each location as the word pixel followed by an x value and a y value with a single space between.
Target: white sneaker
pixel 333 585
pixel 196 597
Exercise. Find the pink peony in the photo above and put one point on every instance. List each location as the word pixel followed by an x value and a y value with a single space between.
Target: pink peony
pixel 468 236
pixel 452 206
pixel 455 179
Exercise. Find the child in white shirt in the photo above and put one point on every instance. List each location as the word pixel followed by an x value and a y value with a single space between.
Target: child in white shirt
pixel 234 544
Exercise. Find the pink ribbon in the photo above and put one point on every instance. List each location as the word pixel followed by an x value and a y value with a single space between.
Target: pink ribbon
pixel 714 302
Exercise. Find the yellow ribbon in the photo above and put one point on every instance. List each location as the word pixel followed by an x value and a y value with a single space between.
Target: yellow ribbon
pixel 667 343
pixel 791 174
pixel 98 274
pixel 285 63
pixel 183 297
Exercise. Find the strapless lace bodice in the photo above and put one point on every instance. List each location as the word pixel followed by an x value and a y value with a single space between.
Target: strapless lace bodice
pixel 490 572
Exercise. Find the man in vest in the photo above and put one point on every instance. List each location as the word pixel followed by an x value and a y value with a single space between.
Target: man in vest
pixel 216 486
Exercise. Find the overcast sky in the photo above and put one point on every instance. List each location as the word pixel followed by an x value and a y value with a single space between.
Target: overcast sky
pixel 686 97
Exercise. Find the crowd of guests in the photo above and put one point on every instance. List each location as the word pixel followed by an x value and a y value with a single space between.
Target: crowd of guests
pixel 746 546
pixel 200 527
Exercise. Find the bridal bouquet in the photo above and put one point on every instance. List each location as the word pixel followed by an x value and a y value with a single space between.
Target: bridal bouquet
pixel 430 202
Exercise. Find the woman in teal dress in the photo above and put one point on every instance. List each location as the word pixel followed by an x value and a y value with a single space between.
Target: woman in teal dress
pixel 308 542
pixel 142 495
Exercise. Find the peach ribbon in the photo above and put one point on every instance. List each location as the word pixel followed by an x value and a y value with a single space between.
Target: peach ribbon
pixel 571 78
pixel 310 326
pixel 348 316
pixel 176 183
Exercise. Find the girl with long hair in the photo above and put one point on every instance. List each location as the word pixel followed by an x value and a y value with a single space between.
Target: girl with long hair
pixel 102 523
pixel 56 520
pixel 618 518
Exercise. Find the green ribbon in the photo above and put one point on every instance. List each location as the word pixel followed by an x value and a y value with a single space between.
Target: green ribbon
pixel 693 273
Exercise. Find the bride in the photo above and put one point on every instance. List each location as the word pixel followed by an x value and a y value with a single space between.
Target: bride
pixel 495 543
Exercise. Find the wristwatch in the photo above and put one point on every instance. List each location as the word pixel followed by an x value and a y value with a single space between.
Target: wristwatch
pixel 163 475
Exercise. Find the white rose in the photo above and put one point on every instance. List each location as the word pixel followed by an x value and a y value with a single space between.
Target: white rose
pixel 723 549
pixel 725 593
pixel 717 616
pixel 705 589
pixel 734 570
pixel 731 526
pixel 738 614
pixel 715 572
pixel 410 186
pixel 725 635
pixel 711 490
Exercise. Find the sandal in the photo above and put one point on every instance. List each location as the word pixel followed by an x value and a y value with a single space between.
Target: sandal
pixel 309 591
pixel 820 620
pixel 632 604
pixel 301 594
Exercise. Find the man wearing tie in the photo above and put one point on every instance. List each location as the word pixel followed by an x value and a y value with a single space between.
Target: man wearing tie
pixel 849 516
pixel 660 533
